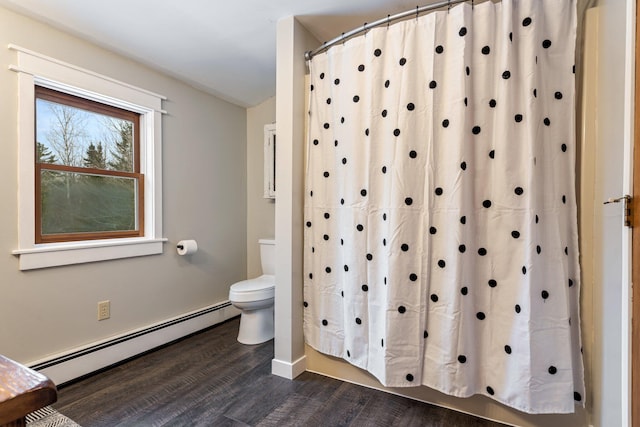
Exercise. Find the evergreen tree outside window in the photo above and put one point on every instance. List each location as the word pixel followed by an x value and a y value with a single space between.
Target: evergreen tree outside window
pixel 88 180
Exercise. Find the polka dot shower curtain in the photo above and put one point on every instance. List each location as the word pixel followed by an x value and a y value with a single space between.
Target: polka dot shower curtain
pixel 440 209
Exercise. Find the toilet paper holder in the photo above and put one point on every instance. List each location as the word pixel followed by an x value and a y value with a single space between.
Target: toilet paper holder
pixel 187 247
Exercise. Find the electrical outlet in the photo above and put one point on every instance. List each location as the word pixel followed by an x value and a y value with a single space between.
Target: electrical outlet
pixel 104 310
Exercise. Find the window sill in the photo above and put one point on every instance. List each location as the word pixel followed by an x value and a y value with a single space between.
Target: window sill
pixel 57 254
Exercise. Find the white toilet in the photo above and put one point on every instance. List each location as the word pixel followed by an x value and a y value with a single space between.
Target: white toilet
pixel 255 298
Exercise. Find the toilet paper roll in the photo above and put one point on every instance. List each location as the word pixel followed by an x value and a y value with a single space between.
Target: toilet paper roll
pixel 187 247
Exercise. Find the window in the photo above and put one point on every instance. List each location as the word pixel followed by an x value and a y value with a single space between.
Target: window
pixel 87 168
pixel 89 172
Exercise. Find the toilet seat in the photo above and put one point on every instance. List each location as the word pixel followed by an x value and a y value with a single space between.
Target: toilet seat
pixel 258 289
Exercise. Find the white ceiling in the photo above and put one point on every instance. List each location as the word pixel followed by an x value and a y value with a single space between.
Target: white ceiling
pixel 225 47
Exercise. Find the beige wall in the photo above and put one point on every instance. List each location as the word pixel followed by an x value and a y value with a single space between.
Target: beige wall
pixel 261 222
pixel 292 41
pixel 48 311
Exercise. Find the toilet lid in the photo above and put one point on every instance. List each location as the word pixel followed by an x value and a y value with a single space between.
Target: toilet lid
pixel 257 289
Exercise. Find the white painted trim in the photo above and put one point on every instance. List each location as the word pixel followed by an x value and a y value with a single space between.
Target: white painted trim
pixel 26 162
pixel 52 73
pixel 18 69
pixel 53 255
pixel 627 185
pixel 289 370
pixel 46 58
pixel 76 367
pixel 88 94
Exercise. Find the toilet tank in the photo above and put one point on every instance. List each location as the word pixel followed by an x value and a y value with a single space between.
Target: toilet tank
pixel 268 256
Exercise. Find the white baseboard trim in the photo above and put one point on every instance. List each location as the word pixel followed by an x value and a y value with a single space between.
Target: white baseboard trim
pixel 75 363
pixel 289 370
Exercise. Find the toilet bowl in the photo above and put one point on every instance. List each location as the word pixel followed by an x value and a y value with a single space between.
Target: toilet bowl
pixel 255 297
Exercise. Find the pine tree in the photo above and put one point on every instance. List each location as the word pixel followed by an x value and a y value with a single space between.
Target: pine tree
pixel 123 153
pixel 95 157
pixel 44 155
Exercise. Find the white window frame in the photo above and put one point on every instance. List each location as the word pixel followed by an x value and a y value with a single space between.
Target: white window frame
pixel 37 69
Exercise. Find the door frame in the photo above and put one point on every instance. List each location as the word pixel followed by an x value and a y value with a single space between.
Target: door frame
pixel 634 398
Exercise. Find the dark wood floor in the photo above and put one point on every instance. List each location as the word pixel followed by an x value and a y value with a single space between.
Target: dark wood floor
pixel 209 379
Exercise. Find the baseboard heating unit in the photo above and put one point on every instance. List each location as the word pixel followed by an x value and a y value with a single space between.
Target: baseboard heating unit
pixel 78 362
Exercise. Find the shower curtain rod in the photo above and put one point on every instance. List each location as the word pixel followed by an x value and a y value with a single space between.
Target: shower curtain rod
pixel 326 45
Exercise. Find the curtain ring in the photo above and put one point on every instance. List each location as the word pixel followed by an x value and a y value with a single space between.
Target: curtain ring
pixel 364 29
pixel 448 6
pixel 388 21
pixel 472 4
pixel 416 13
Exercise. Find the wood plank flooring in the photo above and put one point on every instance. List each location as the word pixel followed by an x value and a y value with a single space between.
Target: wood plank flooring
pixel 209 379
